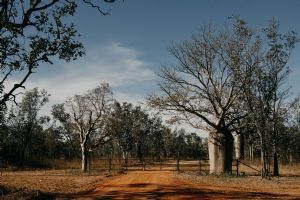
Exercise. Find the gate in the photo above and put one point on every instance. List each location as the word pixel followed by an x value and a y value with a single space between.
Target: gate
pixel 202 166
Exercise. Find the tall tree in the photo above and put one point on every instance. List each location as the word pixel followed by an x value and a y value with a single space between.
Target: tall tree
pixel 203 88
pixel 265 92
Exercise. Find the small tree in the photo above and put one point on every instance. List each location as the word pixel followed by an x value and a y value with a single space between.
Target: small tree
pixel 89 113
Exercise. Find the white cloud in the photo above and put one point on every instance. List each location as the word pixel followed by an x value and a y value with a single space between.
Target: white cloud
pixel 118 65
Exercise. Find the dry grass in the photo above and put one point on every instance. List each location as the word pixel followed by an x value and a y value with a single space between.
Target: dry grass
pixel 283 187
pixel 284 169
pixel 73 181
pixel 52 181
pixel 290 170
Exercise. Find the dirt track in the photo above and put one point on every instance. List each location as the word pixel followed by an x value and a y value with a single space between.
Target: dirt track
pixel 165 185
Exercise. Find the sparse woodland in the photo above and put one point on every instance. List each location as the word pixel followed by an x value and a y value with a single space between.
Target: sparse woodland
pixel 90 125
pixel 229 82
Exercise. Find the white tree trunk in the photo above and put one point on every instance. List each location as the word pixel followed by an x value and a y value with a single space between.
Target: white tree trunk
pixel 220 149
pixel 84 159
pixel 216 153
pixel 238 146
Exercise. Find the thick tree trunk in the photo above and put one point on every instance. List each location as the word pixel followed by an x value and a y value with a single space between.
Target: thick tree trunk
pixel 220 149
pixel 242 145
pixel 84 158
pixel 239 146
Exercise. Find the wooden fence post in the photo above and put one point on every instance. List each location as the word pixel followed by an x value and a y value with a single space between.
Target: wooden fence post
pixel 178 167
pixel 199 166
pixel 237 167
pixel 109 165
pixel 89 163
pixel 126 163
pixel 160 162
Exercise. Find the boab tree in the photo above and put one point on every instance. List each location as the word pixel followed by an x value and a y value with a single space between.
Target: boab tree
pixel 205 85
pixel 89 112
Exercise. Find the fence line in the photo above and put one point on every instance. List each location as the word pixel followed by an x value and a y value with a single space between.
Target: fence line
pixel 111 164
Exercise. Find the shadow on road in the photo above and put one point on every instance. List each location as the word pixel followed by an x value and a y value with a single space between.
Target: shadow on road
pixel 151 191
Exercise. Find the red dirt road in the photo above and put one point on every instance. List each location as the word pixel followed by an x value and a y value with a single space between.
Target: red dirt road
pixel 164 185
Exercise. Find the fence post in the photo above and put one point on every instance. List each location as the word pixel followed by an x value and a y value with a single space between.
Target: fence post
pixel 237 167
pixel 89 162
pixel 126 163
pixel 160 162
pixel 109 165
pixel 199 166
pixel 178 168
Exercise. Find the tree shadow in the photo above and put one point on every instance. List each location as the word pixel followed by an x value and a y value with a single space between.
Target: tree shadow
pixel 154 191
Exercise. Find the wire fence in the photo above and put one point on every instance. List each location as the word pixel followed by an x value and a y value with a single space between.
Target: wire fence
pixel 110 164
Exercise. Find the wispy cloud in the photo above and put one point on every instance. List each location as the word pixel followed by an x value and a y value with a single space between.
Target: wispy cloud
pixel 118 65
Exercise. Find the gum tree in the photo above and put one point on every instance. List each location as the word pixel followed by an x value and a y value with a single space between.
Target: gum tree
pixel 265 92
pixel 89 113
pixel 24 122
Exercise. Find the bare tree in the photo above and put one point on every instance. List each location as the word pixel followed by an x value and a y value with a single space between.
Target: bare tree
pixel 89 112
pixel 206 84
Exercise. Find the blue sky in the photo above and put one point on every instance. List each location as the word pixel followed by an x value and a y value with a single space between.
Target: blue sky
pixel 127 47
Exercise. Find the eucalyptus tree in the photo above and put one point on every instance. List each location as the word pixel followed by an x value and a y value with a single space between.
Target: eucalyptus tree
pixel 291 141
pixel 120 126
pixel 265 93
pixel 130 126
pixel 65 128
pixel 203 87
pixel 141 131
pixel 89 113
pixel 23 121
pixel 156 138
